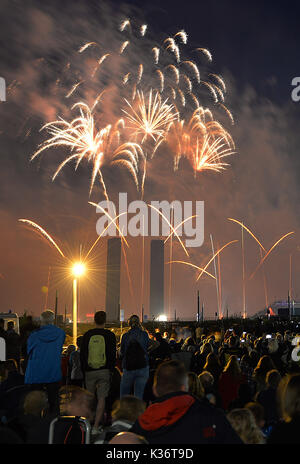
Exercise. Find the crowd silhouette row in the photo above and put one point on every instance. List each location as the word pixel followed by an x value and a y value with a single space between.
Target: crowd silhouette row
pixel 187 385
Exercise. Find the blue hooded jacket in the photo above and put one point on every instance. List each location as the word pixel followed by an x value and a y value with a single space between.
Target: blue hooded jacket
pixel 44 348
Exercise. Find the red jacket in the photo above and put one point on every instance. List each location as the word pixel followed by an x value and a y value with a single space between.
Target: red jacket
pixel 228 387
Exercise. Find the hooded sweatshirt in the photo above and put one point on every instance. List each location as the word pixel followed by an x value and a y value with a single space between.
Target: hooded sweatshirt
pixel 44 348
pixel 180 418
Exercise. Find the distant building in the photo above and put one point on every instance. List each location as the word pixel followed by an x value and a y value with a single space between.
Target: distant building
pixel 157 279
pixel 113 273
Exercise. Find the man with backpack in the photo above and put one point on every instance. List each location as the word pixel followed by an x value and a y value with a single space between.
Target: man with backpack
pixel 98 359
pixel 135 360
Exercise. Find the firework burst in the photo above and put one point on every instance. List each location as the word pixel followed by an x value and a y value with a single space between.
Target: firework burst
pixel 157 87
pixel 203 141
pixel 86 142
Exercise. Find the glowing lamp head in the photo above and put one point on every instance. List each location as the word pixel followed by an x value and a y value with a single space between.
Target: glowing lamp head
pixel 78 269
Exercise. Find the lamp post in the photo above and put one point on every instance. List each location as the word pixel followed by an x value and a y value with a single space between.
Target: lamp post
pixel 78 270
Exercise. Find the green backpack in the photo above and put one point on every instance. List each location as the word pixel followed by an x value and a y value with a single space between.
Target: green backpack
pixel 97 356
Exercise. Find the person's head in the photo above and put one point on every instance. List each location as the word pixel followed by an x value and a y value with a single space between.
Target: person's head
pixel 10 365
pixel 158 337
pixel 76 401
pixel 10 325
pixel 1 323
pixel 206 348
pixel 128 408
pixel 69 349
pixel 290 397
pixel 206 379
pixel 100 318
pixel 258 412
pixel 35 403
pixel 134 321
pixel 232 341
pixel 212 360
pixel 245 359
pixel 128 438
pixel 273 378
pixel 272 345
pixel 79 340
pixel 47 317
pixel 195 385
pixel 232 367
pixel 243 422
pixel 170 377
pixel 265 364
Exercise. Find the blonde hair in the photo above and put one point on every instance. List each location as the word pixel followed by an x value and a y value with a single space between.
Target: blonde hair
pixel 290 397
pixel 243 422
pixel 232 367
pixel 128 408
pixel 35 402
pixel 195 385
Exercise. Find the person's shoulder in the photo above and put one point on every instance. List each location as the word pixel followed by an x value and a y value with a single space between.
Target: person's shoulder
pixel 110 333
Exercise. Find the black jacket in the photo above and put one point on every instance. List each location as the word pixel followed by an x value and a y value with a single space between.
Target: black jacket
pixel 181 418
pixel 285 433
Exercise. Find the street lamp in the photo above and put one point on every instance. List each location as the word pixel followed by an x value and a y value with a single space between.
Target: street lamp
pixel 78 270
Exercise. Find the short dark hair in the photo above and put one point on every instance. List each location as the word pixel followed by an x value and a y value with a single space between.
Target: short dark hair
pixel 100 317
pixel 1 322
pixel 169 377
pixel 134 321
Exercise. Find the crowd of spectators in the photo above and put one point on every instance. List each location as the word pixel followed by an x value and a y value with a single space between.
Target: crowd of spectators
pixel 181 386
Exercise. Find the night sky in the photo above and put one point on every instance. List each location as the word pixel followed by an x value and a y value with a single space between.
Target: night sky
pixel 255 48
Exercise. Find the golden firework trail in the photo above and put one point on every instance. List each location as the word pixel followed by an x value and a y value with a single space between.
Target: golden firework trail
pixel 229 114
pixel 140 73
pixel 151 117
pixel 249 232
pixel 195 69
pixel 51 240
pixel 205 52
pixel 43 233
pixel 112 221
pixel 183 36
pixel 73 89
pixel 161 79
pixel 124 24
pixel 269 251
pixel 171 227
pixel 85 46
pixel 214 255
pixel 143 29
pixel 123 46
pixel 194 266
pixel 219 80
pixel 155 51
pixel 179 225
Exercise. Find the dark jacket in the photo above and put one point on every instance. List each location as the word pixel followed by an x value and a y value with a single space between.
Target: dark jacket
pixel 110 349
pixel 268 399
pixel 138 334
pixel 285 433
pixel 14 379
pixel 181 418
